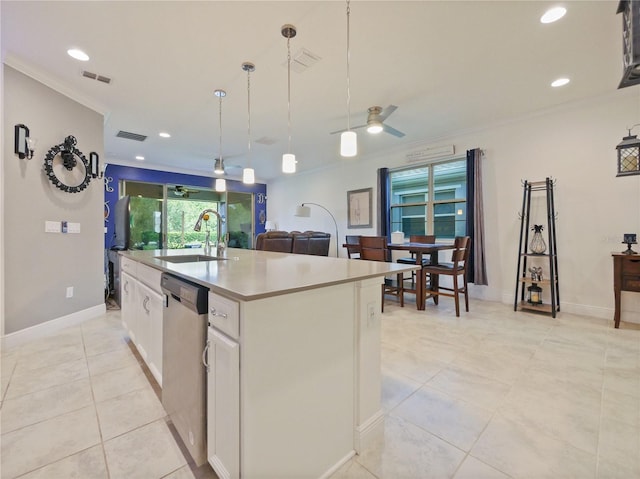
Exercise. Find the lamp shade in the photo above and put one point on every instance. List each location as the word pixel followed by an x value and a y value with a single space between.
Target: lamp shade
pixel 348 143
pixel 248 176
pixel 270 225
pixel 303 211
pixel 221 184
pixel 288 163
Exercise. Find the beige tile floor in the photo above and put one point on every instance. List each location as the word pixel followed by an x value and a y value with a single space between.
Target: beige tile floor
pixel 492 394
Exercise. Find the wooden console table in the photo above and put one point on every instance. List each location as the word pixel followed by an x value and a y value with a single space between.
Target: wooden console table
pixel 626 277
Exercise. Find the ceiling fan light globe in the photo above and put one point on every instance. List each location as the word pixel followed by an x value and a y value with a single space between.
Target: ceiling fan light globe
pixel 288 163
pixel 374 127
pixel 348 144
pixel 248 176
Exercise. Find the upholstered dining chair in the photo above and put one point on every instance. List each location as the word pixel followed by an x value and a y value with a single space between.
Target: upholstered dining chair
pixel 353 246
pixel 374 248
pixel 456 268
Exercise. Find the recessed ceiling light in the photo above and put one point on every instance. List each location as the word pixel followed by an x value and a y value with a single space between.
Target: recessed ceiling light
pixel 139 157
pixel 78 54
pixel 560 82
pixel 164 134
pixel 553 14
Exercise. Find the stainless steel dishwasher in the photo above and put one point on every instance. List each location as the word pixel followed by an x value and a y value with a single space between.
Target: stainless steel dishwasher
pixel 183 374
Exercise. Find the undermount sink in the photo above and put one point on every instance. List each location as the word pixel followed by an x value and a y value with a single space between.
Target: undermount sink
pixel 188 258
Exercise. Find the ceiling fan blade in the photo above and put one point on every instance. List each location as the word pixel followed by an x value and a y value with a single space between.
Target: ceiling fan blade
pixel 391 130
pixel 343 130
pixel 387 111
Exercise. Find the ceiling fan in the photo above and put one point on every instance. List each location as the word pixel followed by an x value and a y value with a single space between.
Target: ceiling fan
pixel 375 121
pixel 221 168
pixel 184 192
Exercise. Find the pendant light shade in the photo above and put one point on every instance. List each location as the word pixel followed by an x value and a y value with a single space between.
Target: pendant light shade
pixel 221 184
pixel 288 159
pixel 248 174
pixel 218 166
pixel 348 139
pixel 348 144
pixel 288 163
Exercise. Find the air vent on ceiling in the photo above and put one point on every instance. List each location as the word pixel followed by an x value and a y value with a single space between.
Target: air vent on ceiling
pixel 131 136
pixel 95 76
pixel 265 140
pixel 302 60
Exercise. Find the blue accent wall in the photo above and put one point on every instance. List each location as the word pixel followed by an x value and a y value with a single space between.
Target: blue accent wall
pixel 115 173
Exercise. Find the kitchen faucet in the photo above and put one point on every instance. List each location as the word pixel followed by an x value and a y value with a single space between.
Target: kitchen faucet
pixel 207 243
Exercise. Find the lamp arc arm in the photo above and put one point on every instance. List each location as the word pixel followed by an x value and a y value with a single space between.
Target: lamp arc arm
pixel 332 217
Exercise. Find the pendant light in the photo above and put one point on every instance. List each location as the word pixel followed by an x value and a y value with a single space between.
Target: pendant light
pixel 221 183
pixel 288 159
pixel 248 174
pixel 348 139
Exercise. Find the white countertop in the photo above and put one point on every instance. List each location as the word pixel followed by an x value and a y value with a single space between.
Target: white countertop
pixel 249 274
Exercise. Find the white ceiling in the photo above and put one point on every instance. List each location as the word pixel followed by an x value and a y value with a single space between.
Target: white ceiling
pixel 448 66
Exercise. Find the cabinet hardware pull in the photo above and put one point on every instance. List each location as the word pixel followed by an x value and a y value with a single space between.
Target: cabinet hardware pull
pixel 144 304
pixel 126 287
pixel 214 312
pixel 204 355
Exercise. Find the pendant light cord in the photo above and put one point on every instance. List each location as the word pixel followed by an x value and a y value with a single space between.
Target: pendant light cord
pixel 220 123
pixel 348 72
pixel 289 90
pixel 249 112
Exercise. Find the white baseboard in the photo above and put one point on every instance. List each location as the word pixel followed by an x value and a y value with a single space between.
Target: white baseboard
pixel 337 465
pixel 368 431
pixel 44 329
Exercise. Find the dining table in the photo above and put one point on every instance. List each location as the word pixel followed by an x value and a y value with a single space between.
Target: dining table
pixel 420 249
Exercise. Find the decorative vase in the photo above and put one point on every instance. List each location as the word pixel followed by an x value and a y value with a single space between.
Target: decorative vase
pixel 537 245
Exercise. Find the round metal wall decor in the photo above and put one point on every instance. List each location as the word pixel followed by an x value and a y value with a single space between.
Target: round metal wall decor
pixel 67 167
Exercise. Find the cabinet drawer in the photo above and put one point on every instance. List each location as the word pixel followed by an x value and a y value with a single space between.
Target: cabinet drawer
pixel 224 314
pixel 150 276
pixel 631 266
pixel 129 266
pixel 631 283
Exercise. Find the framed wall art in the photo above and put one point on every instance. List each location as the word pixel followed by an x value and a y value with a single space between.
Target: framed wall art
pixel 359 208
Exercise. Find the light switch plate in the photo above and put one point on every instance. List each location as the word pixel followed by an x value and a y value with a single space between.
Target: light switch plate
pixel 52 227
pixel 73 227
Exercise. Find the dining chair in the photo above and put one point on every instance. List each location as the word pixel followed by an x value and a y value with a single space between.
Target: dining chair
pixel 353 246
pixel 374 248
pixel 456 268
pixel 426 259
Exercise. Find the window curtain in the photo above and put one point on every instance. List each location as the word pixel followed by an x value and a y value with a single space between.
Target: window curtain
pixel 477 270
pixel 384 225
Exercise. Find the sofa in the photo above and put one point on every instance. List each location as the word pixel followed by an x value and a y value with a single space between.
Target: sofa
pixel 305 242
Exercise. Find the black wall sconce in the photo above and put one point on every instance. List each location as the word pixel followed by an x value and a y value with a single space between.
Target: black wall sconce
pixel 94 165
pixel 629 154
pixel 24 144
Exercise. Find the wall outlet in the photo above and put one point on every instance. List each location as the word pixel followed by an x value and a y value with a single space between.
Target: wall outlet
pixel 371 314
pixel 69 291
pixel 52 227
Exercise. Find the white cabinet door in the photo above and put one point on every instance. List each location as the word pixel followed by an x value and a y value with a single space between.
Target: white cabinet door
pixel 129 311
pixel 149 342
pixel 223 405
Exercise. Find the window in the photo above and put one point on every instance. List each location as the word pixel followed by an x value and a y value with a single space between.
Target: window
pixel 430 199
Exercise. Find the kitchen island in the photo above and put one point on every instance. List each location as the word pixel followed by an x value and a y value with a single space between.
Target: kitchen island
pixel 305 332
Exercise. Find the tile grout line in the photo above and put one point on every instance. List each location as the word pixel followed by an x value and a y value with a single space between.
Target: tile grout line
pixel 95 407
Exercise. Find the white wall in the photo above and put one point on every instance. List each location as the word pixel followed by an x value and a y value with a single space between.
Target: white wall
pixel 39 266
pixel 574 144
